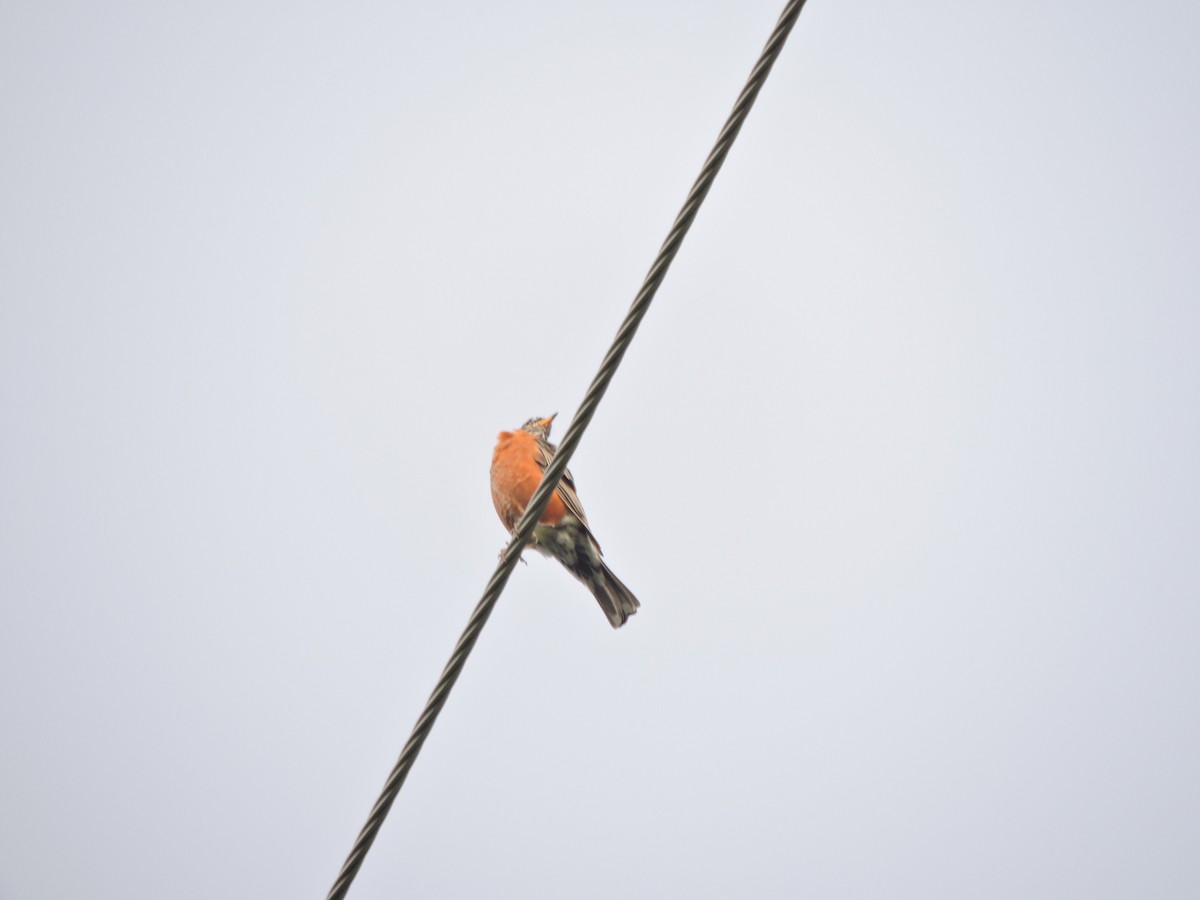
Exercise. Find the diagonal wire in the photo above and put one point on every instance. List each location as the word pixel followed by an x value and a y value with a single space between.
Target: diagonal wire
pixel 537 503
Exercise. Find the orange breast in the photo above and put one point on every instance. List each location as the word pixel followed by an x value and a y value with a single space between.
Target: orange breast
pixel 515 476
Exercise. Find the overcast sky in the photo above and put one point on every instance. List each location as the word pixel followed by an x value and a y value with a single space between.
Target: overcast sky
pixel 903 464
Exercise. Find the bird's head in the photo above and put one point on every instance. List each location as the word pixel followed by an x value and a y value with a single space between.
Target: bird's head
pixel 539 428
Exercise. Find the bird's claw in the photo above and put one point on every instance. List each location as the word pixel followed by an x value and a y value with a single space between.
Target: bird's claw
pixel 520 559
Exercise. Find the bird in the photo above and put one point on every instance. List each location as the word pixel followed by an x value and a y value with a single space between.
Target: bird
pixel 562 532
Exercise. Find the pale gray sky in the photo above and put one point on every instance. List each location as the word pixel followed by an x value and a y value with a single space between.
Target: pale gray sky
pixel 902 465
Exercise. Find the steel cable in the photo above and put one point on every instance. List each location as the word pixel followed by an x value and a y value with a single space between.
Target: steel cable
pixel 554 472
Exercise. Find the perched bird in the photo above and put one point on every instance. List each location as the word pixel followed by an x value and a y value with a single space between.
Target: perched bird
pixel 562 532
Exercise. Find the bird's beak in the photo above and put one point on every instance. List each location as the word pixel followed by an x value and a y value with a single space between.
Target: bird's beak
pixel 546 422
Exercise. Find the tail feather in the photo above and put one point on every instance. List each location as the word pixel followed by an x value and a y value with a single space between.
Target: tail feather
pixel 614 598
pixel 572 544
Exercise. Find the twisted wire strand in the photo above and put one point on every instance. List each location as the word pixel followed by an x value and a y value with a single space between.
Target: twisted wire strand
pixel 583 416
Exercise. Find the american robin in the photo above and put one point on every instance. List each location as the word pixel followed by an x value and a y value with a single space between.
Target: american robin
pixel 562 532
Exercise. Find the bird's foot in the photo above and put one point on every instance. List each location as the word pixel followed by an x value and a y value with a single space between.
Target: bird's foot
pixel 520 559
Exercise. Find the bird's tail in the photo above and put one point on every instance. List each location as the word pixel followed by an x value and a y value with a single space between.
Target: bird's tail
pixel 614 598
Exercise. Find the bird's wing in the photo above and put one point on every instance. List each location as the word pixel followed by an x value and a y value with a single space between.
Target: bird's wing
pixel 566 486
